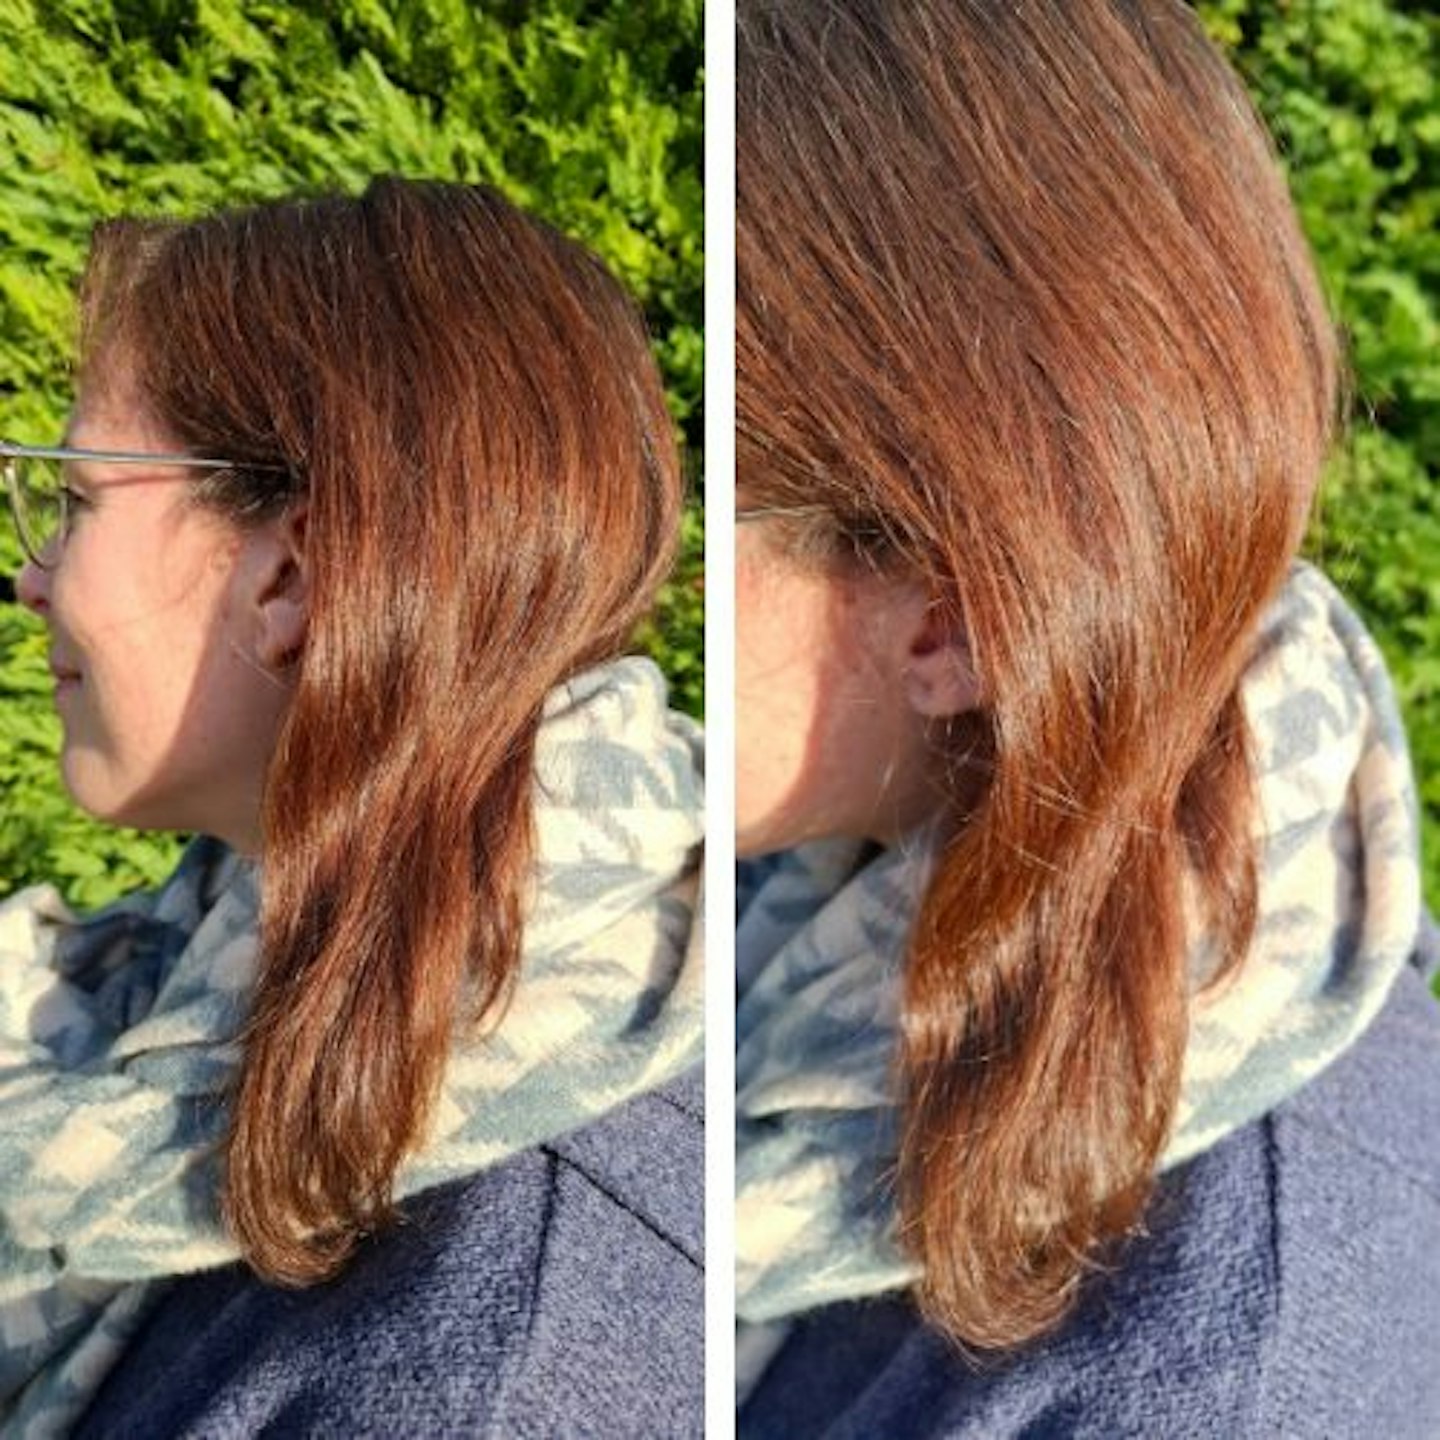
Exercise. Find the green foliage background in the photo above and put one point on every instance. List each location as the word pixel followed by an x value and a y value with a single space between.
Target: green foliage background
pixel 1351 89
pixel 587 112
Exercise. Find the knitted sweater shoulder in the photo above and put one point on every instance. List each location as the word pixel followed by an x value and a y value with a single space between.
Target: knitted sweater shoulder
pixel 559 1292
pixel 1288 1284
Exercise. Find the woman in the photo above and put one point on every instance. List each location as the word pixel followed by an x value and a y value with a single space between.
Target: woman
pixel 360 500
pixel 1084 1080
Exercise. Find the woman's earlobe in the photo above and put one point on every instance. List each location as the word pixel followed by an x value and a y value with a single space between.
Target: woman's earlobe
pixel 939 673
pixel 283 598
pixel 282 631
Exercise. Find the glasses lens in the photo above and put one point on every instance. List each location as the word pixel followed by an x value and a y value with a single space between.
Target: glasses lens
pixel 39 502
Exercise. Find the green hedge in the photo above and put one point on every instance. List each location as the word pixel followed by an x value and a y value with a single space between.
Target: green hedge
pixel 590 114
pixel 585 111
pixel 1351 89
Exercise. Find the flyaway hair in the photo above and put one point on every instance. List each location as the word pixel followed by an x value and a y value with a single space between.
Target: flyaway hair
pixel 1024 312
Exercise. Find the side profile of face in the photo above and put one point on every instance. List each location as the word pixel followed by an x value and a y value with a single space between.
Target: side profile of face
pixel 839 682
pixel 169 625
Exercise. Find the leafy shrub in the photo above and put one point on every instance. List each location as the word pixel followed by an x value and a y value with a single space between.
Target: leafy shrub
pixel 1352 90
pixel 587 112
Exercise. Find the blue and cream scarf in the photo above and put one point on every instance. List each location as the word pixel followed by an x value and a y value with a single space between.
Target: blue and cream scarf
pixel 822 940
pixel 117 1038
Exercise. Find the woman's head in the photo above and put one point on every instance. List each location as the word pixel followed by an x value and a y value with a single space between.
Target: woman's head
pixel 1025 323
pixel 1024 318
pixel 166 631
pixel 452 458
pixel 451 484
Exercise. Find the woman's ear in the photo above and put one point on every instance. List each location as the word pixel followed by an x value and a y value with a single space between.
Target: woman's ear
pixel 939 674
pixel 281 592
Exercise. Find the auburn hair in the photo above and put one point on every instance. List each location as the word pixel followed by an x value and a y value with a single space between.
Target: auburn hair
pixel 1024 310
pixel 466 402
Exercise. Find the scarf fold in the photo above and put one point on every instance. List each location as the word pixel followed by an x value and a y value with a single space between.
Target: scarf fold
pixel 822 940
pixel 118 1037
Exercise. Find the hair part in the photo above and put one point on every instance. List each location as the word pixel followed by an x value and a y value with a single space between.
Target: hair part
pixel 1024 310
pixel 465 402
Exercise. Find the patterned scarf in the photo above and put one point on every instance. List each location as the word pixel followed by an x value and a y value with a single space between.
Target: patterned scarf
pixel 117 1038
pixel 822 940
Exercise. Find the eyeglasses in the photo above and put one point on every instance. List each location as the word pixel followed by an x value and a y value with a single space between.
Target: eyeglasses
pixel 41 503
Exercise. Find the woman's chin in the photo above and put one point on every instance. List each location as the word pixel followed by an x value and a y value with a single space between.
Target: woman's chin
pixel 104 796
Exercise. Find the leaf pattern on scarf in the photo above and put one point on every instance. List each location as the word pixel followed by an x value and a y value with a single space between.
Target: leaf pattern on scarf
pixel 823 933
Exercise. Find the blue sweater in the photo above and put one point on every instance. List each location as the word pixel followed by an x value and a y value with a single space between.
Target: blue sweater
pixel 1288 1285
pixel 560 1293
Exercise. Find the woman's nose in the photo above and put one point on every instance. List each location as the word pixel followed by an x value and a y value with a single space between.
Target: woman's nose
pixel 32 587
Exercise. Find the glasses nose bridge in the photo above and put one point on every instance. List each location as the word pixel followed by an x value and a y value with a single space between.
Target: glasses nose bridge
pixel 30 586
pixel 38 538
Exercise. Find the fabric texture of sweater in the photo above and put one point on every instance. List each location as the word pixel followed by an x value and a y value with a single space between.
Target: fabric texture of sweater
pixel 559 1293
pixel 1288 1284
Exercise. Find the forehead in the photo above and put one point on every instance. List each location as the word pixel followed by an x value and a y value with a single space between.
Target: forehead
pixel 110 415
